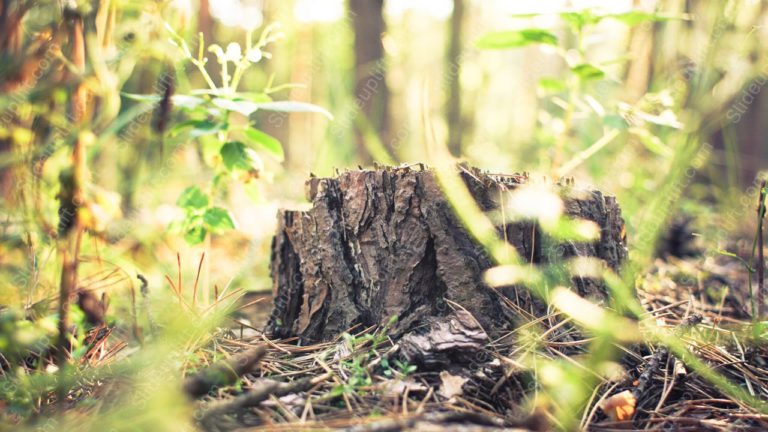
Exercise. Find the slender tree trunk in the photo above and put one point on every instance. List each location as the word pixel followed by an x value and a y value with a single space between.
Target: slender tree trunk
pixel 640 67
pixel 752 133
pixel 207 26
pixel 6 172
pixel 371 91
pixel 278 124
pixel 299 124
pixel 205 20
pixel 11 31
pixel 452 73
pixel 742 144
pixel 72 181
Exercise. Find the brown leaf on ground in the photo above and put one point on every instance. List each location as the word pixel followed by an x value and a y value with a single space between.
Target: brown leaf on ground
pixel 619 407
pixel 453 385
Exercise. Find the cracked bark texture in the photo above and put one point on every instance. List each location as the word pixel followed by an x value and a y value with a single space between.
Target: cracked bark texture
pixel 384 242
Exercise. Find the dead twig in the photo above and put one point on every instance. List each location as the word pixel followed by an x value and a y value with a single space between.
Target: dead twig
pixel 260 394
pixel 223 373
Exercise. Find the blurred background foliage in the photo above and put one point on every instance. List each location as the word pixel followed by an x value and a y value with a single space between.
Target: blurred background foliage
pixel 694 75
pixel 658 102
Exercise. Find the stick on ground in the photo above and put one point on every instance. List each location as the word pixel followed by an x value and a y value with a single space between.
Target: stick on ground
pixel 223 373
pixel 260 394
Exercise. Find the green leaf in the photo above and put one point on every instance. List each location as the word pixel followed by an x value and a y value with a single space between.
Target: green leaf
pixel 186 101
pixel 200 127
pixel 182 101
pixel 257 97
pixel 266 141
pixel 552 85
pixel 195 234
pixel 206 127
pixel 635 17
pixel 142 97
pixel 237 157
pixel 290 106
pixel 219 180
pixel 744 262
pixel 245 108
pixel 579 20
pixel 225 93
pixel 210 149
pixel 588 72
pixel 192 198
pixel 218 220
pixel 516 39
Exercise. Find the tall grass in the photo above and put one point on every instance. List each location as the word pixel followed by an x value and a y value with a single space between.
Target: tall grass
pixel 649 210
pixel 126 47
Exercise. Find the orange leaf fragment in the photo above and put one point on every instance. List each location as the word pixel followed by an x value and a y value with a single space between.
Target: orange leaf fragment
pixel 620 406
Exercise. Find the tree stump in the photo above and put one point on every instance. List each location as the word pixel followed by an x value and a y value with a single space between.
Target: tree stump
pixel 384 242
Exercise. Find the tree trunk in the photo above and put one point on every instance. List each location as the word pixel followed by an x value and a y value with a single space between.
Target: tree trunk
pixel 205 21
pixel 371 91
pixel 378 243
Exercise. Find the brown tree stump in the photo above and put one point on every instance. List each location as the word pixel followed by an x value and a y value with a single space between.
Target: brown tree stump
pixel 384 242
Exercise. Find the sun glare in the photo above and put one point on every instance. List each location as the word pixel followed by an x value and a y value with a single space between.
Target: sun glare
pixel 238 13
pixel 318 10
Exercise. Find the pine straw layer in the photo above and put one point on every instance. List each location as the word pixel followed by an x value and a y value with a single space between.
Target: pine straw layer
pixel 498 392
pixel 313 387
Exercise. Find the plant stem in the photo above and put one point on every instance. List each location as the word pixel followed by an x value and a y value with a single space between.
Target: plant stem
pixel 758 241
pixel 206 272
pixel 240 68
pixel 760 252
pixel 586 154
pixel 65 287
pixel 201 66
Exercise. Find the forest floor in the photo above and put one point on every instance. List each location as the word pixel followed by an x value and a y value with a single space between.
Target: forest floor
pixel 359 382
pixel 353 382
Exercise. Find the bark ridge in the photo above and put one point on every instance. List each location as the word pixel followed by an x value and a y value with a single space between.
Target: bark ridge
pixel 384 242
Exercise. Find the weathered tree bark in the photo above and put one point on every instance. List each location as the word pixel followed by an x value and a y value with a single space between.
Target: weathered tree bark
pixel 385 242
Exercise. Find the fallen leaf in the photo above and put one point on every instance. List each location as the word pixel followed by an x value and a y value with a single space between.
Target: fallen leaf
pixel 452 385
pixel 620 406
pixel 397 387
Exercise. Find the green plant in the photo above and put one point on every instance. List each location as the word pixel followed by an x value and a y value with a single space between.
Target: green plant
pixel 652 120
pixel 758 244
pixel 574 93
pixel 401 370
pixel 363 351
pixel 759 266
pixel 219 118
pixel 21 337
